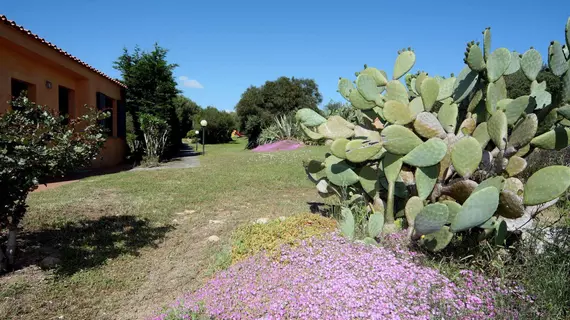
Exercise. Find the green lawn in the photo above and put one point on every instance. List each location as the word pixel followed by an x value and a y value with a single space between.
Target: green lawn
pixel 133 241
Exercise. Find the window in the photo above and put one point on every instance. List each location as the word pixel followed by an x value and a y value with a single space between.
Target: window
pixel 64 99
pixel 105 103
pixel 18 87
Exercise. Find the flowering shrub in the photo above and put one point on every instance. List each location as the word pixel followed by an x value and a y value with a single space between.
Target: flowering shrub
pixel 332 278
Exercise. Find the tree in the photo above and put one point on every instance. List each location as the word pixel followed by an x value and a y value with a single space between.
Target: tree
pixel 186 109
pixel 35 143
pixel 518 85
pixel 151 89
pixel 220 125
pixel 258 106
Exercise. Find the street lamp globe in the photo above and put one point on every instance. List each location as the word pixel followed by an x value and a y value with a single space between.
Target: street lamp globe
pixel 197 132
pixel 203 123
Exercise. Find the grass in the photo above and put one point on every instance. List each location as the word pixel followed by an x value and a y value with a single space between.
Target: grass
pixel 131 242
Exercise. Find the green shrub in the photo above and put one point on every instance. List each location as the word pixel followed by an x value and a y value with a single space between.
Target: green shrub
pixel 220 125
pixel 282 128
pixel 36 143
pixel 155 132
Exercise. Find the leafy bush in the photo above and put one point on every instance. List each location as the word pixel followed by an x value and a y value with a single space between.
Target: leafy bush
pixel 155 131
pixel 259 106
pixel 282 128
pixel 36 144
pixel 220 125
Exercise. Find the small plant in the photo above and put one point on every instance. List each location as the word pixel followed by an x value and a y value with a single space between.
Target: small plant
pixel 447 153
pixel 155 131
pixel 282 128
pixel 36 144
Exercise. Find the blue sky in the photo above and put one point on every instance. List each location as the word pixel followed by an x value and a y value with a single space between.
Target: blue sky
pixel 223 47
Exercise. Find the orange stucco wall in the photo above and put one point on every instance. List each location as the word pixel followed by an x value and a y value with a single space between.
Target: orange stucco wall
pixel 28 60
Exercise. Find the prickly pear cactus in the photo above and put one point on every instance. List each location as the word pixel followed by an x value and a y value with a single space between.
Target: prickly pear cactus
pixel 446 151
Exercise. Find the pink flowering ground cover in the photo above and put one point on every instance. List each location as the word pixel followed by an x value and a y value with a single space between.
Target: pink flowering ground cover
pixel 332 278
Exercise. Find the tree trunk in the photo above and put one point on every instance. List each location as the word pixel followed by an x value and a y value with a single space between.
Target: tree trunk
pixel 11 245
pixel 3 262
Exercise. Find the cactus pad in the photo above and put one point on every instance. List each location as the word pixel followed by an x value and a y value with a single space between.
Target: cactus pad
pixel 477 209
pixel 359 102
pixel 369 180
pixel 500 233
pixel 464 84
pixel 358 150
pixel 497 182
pixel 497 128
pixel 404 62
pixel 428 126
pixel 437 241
pixel 497 63
pixel 514 185
pixel 309 117
pixel 481 134
pixel 460 190
pixel 546 184
pixel 310 133
pixel 347 225
pixel 556 59
pixel 426 154
pixel 496 91
pixel 432 218
pixel 447 116
pixel 395 90
pixel 523 151
pixel 338 147
pixel 426 178
pixel 429 92
pixel 524 131
pixel 454 208
pixel 392 164
pixel 556 139
pixel 344 87
pixel 418 83
pixel 515 165
pixel 399 140
pixel 542 97
pixel 510 205
pixel 375 224
pixel 486 43
pixel 446 88
pixel 416 106
pixel 516 108
pixel 339 172
pixel 466 155
pixel 367 87
pixel 515 64
pixel 378 75
pixel 547 122
pixel 531 63
pixel 397 112
pixel 414 206
pixel 564 111
pixel 475 59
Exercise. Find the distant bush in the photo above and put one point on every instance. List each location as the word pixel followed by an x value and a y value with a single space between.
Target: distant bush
pixel 220 125
pixel 283 128
pixel 155 132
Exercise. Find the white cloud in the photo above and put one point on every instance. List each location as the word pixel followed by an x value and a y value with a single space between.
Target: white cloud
pixel 190 83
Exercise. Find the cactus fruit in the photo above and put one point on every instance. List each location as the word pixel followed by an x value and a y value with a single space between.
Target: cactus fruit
pixel 445 152
pixel 546 184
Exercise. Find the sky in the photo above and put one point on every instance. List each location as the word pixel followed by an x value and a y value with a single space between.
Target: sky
pixel 223 47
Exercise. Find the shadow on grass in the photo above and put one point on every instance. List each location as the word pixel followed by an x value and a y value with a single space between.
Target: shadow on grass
pixel 90 243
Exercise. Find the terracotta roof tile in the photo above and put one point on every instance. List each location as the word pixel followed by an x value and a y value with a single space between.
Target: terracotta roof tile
pixel 14 25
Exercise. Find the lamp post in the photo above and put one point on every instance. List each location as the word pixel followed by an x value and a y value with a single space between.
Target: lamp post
pixel 204 123
pixel 197 136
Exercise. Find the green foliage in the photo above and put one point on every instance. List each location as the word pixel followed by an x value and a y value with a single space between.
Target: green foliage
pixel 283 128
pixel 450 139
pixel 151 90
pixel 186 109
pixel 220 124
pixel 36 143
pixel 258 106
pixel 155 131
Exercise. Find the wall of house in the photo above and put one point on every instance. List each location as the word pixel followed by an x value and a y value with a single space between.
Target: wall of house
pixel 27 60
